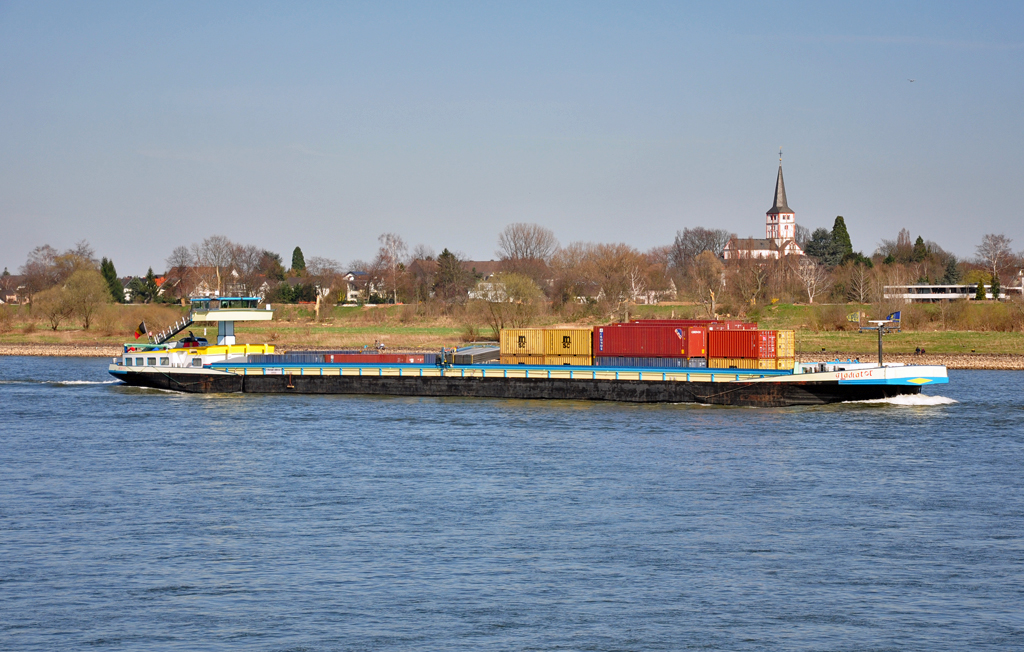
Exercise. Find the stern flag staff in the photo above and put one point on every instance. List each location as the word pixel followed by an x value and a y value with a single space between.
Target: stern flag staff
pixel 141 330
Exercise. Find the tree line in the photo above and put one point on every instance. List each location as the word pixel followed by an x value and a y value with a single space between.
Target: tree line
pixel 532 270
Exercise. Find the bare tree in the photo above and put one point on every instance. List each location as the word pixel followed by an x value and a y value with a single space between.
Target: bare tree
pixel 708 276
pixel 55 305
pixel 39 270
pixel 901 249
pixel 659 274
pixel 814 276
pixel 801 234
pixel 513 300
pixel 423 252
pixel 527 249
pixel 749 277
pixel 214 254
pixel 568 266
pixel 246 260
pixel 618 269
pixel 180 258
pixel 86 292
pixel 392 253
pixel 690 243
pixel 326 276
pixel 636 277
pixel 860 282
pixel 995 253
pixel 46 267
pixel 521 242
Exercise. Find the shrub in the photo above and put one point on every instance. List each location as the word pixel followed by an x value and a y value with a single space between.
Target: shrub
pixel 830 317
pixel 470 332
pixel 54 305
pixel 6 319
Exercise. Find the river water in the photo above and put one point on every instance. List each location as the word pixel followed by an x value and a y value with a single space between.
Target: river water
pixel 139 519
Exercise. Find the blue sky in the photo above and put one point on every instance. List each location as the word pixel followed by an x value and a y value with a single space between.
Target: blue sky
pixel 142 126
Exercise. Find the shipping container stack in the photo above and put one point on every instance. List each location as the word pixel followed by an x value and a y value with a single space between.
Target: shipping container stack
pixel 658 344
pixel 546 346
pixel 342 357
pixel 521 345
pixel 662 345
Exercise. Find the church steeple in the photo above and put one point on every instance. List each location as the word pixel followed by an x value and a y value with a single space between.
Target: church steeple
pixel 780 220
pixel 781 205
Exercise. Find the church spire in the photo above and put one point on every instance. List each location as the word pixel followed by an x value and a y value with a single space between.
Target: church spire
pixel 781 205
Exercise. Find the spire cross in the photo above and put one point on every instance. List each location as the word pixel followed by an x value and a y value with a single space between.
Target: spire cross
pixel 780 156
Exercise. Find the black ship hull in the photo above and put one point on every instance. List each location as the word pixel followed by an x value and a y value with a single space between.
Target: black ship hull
pixel 748 394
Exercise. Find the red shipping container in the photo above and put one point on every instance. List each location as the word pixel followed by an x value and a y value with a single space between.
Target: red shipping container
pixel 710 324
pixel 374 358
pixel 733 344
pixel 766 345
pixel 733 326
pixel 696 342
pixel 630 340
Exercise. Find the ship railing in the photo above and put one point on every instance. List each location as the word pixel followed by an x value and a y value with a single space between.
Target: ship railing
pixel 173 329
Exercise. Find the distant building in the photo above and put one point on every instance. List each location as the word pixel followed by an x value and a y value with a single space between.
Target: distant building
pixel 482 269
pixel 12 289
pixel 780 231
pixel 359 285
pixel 923 293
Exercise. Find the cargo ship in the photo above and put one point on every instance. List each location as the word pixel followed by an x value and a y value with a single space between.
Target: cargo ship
pixel 710 362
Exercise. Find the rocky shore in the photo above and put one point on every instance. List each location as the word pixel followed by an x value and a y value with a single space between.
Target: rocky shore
pixel 951 360
pixel 61 350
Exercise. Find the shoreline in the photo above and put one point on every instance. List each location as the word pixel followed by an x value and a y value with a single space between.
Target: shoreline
pixel 989 361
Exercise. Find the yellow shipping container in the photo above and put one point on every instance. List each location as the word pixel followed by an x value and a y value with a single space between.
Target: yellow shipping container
pixel 767 364
pixel 522 359
pixel 733 363
pixel 785 344
pixel 522 341
pixel 785 364
pixel 568 341
pixel 573 360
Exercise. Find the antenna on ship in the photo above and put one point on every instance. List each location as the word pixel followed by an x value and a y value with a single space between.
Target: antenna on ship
pixel 884 326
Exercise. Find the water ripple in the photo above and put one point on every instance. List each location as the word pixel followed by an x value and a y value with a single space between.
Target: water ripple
pixel 152 520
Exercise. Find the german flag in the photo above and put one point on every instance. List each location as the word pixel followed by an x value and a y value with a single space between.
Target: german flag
pixel 141 330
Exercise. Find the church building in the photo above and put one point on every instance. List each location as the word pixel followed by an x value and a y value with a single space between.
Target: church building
pixel 780 231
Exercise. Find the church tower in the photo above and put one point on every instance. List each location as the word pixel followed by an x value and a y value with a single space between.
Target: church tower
pixel 780 222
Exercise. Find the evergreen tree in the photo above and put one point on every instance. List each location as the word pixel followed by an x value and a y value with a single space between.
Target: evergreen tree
pixel 113 284
pixel 820 246
pixel 920 250
pixel 298 262
pixel 952 275
pixel 6 273
pixel 451 281
pixel 841 238
pixel 996 289
pixel 145 289
pixel 271 266
pixel 979 292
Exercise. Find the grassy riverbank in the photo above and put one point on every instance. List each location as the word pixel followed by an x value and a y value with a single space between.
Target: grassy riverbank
pixel 418 328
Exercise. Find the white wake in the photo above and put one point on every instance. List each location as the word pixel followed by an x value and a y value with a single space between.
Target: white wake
pixel 83 382
pixel 914 400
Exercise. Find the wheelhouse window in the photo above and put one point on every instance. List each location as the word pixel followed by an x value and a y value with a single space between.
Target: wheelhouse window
pixel 127 362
